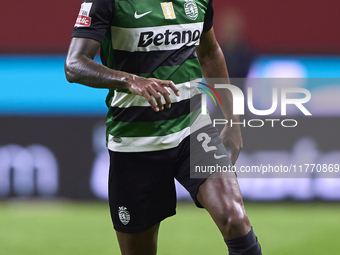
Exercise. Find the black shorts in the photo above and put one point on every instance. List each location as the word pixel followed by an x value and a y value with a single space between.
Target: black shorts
pixel 141 184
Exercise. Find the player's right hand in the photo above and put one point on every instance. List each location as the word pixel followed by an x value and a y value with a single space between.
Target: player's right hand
pixel 153 88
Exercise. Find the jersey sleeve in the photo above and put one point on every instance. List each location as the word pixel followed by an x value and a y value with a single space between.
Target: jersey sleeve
pixel 208 19
pixel 94 19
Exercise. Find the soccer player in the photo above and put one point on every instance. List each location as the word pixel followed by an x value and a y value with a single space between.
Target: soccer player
pixel 150 51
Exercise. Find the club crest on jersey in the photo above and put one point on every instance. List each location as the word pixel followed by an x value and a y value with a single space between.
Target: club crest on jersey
pixel 190 9
pixel 168 10
pixel 124 215
pixel 84 19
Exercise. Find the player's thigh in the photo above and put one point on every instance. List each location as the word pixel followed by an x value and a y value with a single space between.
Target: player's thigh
pixel 209 160
pixel 144 243
pixel 202 156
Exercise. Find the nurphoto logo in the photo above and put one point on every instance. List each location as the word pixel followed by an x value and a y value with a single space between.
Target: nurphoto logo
pixel 277 94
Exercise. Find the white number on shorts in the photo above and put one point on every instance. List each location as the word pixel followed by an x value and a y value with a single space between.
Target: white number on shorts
pixel 206 139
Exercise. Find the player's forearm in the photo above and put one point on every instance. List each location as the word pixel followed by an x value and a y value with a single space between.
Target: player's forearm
pixel 81 68
pixel 214 66
pixel 90 73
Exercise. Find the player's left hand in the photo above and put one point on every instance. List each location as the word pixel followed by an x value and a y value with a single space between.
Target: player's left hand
pixel 232 139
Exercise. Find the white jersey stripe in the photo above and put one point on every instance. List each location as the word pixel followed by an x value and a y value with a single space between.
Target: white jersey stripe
pixel 133 39
pixel 187 90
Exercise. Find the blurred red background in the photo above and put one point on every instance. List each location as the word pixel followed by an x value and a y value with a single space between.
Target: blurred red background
pixel 288 26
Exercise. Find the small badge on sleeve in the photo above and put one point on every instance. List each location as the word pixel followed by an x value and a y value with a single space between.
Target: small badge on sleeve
pixel 84 19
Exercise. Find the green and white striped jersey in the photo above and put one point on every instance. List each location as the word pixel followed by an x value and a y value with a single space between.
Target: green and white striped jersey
pixel 155 39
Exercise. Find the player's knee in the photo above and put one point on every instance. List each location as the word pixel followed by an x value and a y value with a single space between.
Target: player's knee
pixel 233 218
pixel 236 221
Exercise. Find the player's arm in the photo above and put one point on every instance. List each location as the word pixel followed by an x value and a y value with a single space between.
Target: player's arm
pixel 81 68
pixel 213 65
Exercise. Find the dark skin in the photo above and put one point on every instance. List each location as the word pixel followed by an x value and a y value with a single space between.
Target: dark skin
pixel 221 197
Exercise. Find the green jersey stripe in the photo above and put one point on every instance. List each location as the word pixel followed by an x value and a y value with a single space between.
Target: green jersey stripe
pixel 151 143
pixel 130 14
